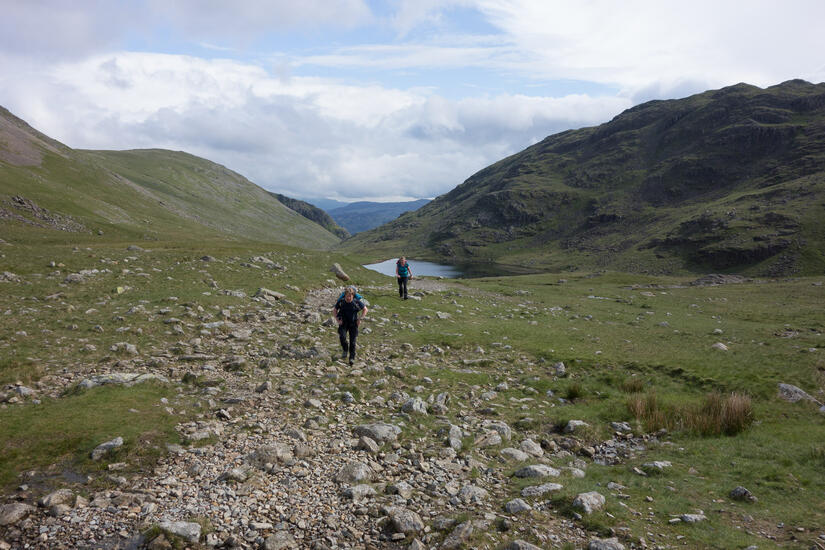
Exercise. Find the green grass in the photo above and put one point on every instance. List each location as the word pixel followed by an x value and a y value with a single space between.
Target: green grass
pixel 59 434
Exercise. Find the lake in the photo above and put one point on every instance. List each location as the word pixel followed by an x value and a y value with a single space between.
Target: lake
pixel 430 269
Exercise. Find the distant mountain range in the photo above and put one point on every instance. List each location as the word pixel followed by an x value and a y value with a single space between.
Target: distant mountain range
pixel 360 216
pixel 136 195
pixel 729 180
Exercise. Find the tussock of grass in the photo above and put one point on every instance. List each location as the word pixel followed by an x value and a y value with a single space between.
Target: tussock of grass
pixel 716 415
pixel 633 385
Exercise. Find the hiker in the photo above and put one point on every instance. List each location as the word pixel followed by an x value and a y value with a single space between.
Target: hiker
pixel 346 313
pixel 403 273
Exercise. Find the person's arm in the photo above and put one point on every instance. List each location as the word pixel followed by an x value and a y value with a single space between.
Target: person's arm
pixel 335 313
pixel 397 274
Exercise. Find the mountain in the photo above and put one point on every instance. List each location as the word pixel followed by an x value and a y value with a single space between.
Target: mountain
pixel 361 216
pixel 144 194
pixel 312 213
pixel 729 180
pixel 326 204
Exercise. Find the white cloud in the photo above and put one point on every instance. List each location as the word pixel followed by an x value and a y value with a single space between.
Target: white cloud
pixel 301 136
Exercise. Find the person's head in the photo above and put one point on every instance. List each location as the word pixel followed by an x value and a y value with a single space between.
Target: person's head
pixel 402 259
pixel 349 294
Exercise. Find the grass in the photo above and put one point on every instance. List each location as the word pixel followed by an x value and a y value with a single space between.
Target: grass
pixel 727 427
pixel 59 434
pixel 716 415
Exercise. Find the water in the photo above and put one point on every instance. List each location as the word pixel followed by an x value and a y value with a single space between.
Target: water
pixel 417 267
pixel 465 270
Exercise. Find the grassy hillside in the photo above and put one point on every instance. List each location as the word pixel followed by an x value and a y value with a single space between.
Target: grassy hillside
pixel 727 180
pixel 134 195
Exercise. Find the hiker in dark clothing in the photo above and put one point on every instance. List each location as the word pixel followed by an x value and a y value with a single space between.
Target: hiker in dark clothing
pixel 403 274
pixel 346 313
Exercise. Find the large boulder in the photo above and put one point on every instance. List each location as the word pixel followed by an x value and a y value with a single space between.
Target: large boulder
pixel 589 502
pixel 339 272
pixel 379 432
pixel 14 512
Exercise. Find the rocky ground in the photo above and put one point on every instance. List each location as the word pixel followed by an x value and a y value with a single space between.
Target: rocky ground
pixel 294 450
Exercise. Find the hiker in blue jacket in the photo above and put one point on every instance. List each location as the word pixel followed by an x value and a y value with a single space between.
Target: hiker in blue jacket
pixel 403 274
pixel 346 312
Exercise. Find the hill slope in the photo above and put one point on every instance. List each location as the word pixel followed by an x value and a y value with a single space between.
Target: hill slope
pixel 726 180
pixel 364 215
pixel 312 213
pixel 146 194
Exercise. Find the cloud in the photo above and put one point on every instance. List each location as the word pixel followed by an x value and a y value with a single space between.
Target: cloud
pixel 303 136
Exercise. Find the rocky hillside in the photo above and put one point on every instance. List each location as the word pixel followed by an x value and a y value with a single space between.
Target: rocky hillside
pixel 312 213
pixel 145 195
pixel 727 180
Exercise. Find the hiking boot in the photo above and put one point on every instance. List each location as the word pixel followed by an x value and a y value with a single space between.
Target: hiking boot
pixel 344 354
pixel 351 361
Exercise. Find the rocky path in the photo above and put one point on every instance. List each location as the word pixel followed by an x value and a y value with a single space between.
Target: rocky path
pixel 294 450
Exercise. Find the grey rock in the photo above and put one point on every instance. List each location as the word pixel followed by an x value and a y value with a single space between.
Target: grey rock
pixel 521 545
pixel 268 295
pixel 539 490
pixel 281 540
pixel 458 536
pixel 531 447
pixel 517 506
pixel 359 493
pixel 274 453
pixel 693 518
pixel 127 379
pixel 621 426
pixel 605 544
pixel 560 369
pixel 656 466
pixel 740 493
pixel 379 432
pixel 792 394
pixel 489 439
pixel 101 450
pixel 405 521
pixel 589 502
pixel 402 489
pixel 187 530
pixel 61 496
pixel 501 428
pixel 537 470
pixel 265 387
pixel 14 512
pixel 514 454
pixel 472 494
pixel 416 405
pixel 575 425
pixel 339 272
pixel 368 444
pixel 354 472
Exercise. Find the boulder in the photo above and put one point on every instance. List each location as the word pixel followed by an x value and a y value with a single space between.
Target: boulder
pixel 187 530
pixel 104 448
pixel 605 544
pixel 379 432
pixel 273 453
pixel 14 512
pixel 539 490
pixel 281 540
pixel 339 272
pixel 517 506
pixel 405 521
pixel 791 393
pixel 354 472
pixel 537 470
pixel 589 502
pixel 458 536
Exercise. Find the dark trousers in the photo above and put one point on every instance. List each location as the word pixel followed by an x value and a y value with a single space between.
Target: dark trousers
pixel 402 286
pixel 353 334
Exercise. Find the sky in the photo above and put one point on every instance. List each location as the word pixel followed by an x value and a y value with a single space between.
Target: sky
pixel 382 100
